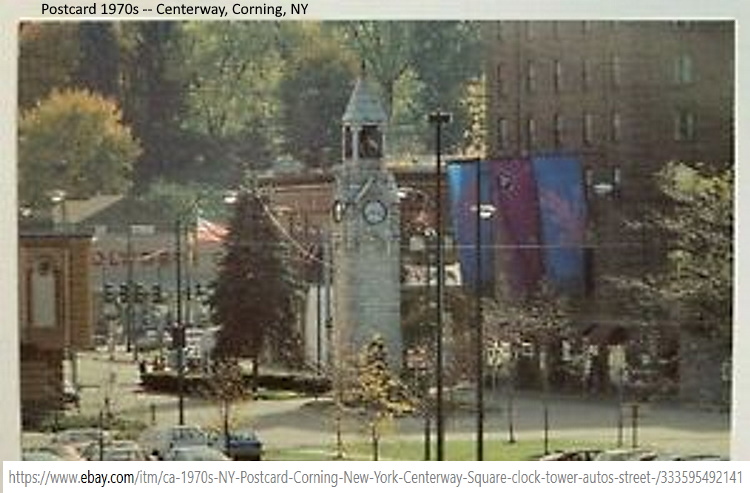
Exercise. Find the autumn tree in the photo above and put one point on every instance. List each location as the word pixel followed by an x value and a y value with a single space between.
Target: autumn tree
pixel 74 140
pixel 255 291
pixel 379 391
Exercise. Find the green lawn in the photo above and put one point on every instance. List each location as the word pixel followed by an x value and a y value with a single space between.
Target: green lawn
pixel 458 450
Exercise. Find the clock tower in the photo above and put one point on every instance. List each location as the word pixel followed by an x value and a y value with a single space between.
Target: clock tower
pixel 366 227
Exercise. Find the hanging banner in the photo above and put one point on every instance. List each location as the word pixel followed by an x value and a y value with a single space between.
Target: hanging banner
pixel 462 194
pixel 517 225
pixel 562 211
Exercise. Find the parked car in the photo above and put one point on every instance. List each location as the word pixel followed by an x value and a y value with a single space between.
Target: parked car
pixel 70 394
pixel 194 453
pixel 50 452
pixel 627 454
pixel 117 450
pixel 243 445
pixel 39 455
pixel 158 441
pixel 570 455
pixel 79 438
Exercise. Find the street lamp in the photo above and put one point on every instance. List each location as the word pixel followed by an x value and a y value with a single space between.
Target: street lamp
pixel 439 118
pixel 179 227
pixel 482 212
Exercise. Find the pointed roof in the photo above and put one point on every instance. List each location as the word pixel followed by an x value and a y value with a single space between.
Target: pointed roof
pixel 364 103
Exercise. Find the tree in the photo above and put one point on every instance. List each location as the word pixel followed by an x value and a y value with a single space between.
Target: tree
pixel 48 59
pixel 695 287
pixel 99 62
pixel 313 98
pixel 231 105
pixel 378 390
pixel 153 97
pixel 420 66
pixel 75 141
pixel 255 292
pixel 543 320
pixel 226 385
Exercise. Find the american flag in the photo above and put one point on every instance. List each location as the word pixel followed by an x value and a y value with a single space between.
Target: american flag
pixel 209 232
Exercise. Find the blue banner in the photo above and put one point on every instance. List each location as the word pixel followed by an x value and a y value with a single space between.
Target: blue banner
pixel 562 213
pixel 462 192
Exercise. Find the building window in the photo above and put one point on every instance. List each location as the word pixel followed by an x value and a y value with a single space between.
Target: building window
pixel 616 127
pixel 370 142
pixel 586 74
pixel 499 79
pixel 530 76
pixel 499 31
pixel 588 129
pixel 683 69
pixel 347 142
pixel 559 126
pixel 502 133
pixel 616 70
pixel 684 126
pixel 529 27
pixel 558 75
pixel 531 133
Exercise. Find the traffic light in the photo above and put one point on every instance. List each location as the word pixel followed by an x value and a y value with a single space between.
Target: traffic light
pixel 124 294
pixel 178 336
pixel 109 293
pixel 140 293
pixel 199 290
pixel 156 295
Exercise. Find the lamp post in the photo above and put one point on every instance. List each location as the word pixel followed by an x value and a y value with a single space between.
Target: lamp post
pixel 482 212
pixel 439 118
pixel 179 329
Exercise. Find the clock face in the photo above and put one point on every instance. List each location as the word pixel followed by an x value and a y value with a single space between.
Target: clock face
pixel 374 212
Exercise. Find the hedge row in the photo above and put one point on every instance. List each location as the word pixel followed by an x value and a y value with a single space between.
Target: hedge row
pixel 168 382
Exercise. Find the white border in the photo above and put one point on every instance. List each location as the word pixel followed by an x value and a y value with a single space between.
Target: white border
pixel 383 9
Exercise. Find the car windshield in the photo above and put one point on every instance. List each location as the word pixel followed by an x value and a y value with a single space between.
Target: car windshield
pixel 197 453
pixel 188 436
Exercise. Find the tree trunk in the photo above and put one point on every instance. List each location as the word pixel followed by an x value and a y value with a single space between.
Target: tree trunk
pixel 375 442
pixel 256 377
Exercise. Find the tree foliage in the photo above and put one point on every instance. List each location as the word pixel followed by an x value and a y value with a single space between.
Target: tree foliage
pixel 696 287
pixel 75 141
pixel 230 102
pixel 313 97
pixel 255 292
pixel 378 391
pixel 48 59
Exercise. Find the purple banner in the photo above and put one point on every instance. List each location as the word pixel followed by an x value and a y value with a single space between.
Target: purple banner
pixel 517 232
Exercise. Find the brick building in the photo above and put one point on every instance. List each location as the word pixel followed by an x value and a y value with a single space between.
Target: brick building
pixel 626 97
pixel 56 316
